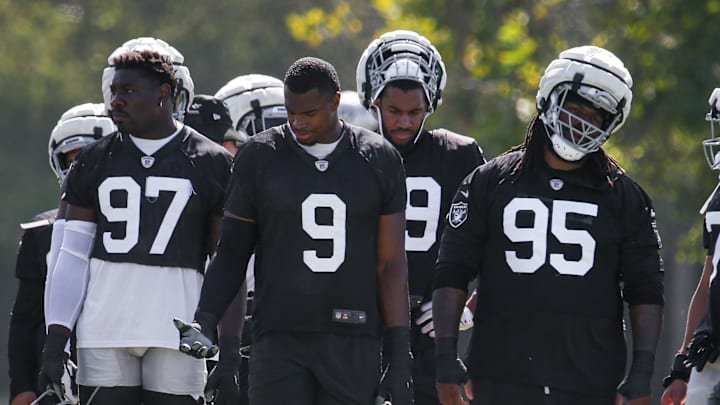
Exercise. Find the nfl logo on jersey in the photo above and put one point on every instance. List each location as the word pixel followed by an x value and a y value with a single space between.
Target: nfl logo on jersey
pixel 321 165
pixel 458 214
pixel 147 161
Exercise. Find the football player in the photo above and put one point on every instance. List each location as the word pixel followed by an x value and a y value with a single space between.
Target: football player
pixel 558 235
pixel 76 128
pixel 400 78
pixel 321 202
pixel 700 342
pixel 143 212
pixel 257 102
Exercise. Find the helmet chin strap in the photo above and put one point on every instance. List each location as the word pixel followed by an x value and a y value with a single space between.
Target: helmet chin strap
pixel 561 147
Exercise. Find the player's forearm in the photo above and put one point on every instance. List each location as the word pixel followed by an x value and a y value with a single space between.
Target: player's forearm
pixel 698 304
pixel 646 321
pixel 224 279
pixel 234 317
pixel 448 303
pixel 393 287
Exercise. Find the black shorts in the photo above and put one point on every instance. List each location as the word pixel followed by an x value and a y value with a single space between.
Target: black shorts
pixel 487 392
pixel 314 369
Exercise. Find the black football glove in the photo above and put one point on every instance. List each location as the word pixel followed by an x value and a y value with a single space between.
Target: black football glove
pixel 223 384
pixel 702 348
pixel 449 369
pixel 637 382
pixel 678 371
pixel 396 381
pixel 192 339
pixel 54 360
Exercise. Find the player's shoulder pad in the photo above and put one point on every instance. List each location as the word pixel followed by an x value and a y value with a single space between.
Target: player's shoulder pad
pixel 195 144
pixel 98 152
pixel 451 138
pixel 713 201
pixel 370 145
pixel 46 218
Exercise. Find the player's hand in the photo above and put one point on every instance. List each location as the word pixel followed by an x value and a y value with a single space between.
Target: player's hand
pixel 425 321
pixel 396 381
pixel 53 364
pixel 635 387
pixel 702 348
pixel 193 341
pixel 466 319
pixel 676 382
pixel 23 398
pixel 675 393
pixel 450 373
pixel 223 384
pixel 452 394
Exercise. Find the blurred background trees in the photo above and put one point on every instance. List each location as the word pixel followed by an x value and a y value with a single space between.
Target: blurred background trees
pixel 52 55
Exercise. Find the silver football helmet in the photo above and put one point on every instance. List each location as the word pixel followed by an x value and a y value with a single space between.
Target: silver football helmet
pixel 595 75
pixel 256 102
pixel 711 146
pixel 186 87
pixel 77 127
pixel 400 55
pixel 352 111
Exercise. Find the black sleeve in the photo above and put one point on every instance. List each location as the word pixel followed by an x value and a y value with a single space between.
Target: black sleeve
pixel 26 336
pixel 460 250
pixel 226 273
pixel 641 266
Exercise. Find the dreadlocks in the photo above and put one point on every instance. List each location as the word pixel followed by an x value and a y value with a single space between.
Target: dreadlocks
pixel 535 142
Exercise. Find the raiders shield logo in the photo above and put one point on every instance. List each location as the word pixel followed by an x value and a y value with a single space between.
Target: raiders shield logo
pixel 147 161
pixel 556 184
pixel 458 214
pixel 321 165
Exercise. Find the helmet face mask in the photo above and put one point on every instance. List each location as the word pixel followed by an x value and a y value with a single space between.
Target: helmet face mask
pixel 593 76
pixel 571 135
pixel 79 126
pixel 400 55
pixel 185 91
pixel 256 102
pixel 711 146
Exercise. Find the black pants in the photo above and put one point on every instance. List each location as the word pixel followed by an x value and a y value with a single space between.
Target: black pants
pixel 314 369
pixel 487 392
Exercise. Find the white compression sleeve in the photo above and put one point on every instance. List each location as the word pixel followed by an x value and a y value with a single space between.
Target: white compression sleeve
pixel 71 274
pixel 51 259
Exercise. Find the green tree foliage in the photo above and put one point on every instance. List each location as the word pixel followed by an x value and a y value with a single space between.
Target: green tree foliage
pixel 52 55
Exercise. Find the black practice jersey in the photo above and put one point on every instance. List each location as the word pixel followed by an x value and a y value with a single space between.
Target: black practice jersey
pixel 152 210
pixel 551 250
pixel 434 167
pixel 711 230
pixel 315 262
pixel 26 335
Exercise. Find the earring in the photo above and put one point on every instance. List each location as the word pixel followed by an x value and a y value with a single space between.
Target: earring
pixel 160 103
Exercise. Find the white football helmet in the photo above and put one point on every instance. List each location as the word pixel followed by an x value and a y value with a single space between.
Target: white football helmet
pixel 711 146
pixel 256 102
pixel 597 76
pixel 352 111
pixel 185 88
pixel 77 127
pixel 400 55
